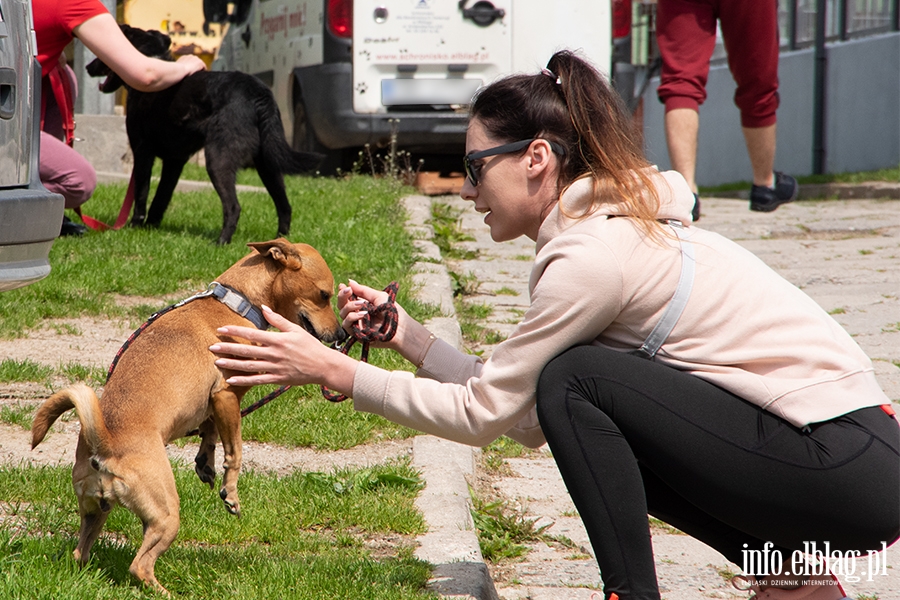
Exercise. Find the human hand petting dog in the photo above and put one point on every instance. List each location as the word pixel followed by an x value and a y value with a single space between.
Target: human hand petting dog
pixel 290 356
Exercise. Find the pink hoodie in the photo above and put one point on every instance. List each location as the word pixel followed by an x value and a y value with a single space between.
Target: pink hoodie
pixel 598 280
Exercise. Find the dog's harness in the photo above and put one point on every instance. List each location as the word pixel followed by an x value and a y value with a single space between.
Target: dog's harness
pixel 237 302
pixel 224 294
pixel 230 298
pixel 362 331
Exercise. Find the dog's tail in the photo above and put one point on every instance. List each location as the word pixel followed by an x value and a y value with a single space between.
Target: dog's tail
pixel 275 149
pixel 85 401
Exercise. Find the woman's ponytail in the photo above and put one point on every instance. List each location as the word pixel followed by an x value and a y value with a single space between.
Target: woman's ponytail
pixel 570 103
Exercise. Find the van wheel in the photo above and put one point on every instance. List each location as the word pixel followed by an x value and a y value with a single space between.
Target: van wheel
pixel 305 141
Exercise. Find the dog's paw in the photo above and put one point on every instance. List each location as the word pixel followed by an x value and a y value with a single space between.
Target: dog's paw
pixel 231 505
pixel 206 474
pixel 204 470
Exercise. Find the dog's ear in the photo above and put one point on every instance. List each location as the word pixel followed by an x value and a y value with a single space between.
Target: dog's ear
pixel 150 42
pixel 162 39
pixel 281 251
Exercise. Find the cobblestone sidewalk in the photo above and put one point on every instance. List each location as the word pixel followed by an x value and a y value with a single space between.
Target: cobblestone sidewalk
pixel 844 254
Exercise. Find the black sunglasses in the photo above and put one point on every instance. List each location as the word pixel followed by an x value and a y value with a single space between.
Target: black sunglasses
pixel 473 168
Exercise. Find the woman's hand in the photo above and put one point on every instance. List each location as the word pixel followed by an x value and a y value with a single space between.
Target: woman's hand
pixel 411 336
pixel 103 36
pixel 191 64
pixel 352 299
pixel 290 356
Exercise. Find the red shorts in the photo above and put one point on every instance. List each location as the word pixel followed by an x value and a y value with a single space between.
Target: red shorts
pixel 686 33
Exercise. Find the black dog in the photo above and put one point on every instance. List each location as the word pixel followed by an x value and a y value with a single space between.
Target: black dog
pixel 231 114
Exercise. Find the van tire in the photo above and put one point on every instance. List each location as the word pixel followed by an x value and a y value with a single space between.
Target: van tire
pixel 304 140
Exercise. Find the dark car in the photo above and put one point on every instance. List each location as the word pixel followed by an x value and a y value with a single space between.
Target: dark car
pixel 30 216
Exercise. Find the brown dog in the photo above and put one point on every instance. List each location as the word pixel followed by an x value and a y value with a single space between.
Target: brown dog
pixel 166 384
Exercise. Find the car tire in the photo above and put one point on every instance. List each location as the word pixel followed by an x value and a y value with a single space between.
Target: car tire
pixel 305 140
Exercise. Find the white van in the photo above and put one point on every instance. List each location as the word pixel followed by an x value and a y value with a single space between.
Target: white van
pixel 346 73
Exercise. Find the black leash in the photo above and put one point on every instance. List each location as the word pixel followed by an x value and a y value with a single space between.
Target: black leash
pixel 363 331
pixel 230 298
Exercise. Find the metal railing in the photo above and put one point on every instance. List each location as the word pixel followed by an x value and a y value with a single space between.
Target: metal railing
pixel 844 19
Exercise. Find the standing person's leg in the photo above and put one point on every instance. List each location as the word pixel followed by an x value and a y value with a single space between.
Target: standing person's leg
pixel 750 33
pixel 623 429
pixel 686 36
pixel 682 128
pixel 753 61
pixel 761 150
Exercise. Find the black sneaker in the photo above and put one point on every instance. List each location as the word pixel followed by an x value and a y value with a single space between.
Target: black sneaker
pixel 695 212
pixel 766 199
pixel 70 227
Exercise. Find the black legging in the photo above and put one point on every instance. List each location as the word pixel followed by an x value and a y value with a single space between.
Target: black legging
pixel 632 437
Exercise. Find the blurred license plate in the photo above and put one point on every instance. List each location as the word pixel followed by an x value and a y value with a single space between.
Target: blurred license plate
pixel 428 91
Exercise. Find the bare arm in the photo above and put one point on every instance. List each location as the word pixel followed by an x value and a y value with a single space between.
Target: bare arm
pixel 102 36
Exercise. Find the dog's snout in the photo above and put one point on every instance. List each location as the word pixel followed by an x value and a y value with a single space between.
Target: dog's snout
pixel 339 335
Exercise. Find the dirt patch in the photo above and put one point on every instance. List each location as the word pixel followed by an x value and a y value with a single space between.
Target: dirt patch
pixel 94 342
pixel 86 341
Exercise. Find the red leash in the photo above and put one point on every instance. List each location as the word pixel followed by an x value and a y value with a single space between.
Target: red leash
pixel 96 225
pixel 64 96
pixel 364 332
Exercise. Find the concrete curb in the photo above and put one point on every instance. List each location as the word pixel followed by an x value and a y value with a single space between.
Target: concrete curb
pixel 451 543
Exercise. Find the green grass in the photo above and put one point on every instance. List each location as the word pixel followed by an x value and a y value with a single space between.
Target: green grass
pixel 305 535
pixel 18 371
pixel 300 536
pixel 301 417
pixel 17 414
pixel 356 224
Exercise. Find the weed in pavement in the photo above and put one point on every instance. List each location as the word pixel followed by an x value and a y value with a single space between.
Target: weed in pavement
pixel 445 220
pixel 504 531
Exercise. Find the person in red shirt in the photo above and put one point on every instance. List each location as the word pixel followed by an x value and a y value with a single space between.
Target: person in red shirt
pixel 56 24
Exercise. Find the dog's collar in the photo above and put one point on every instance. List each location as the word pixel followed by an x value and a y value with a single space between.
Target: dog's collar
pixel 237 302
